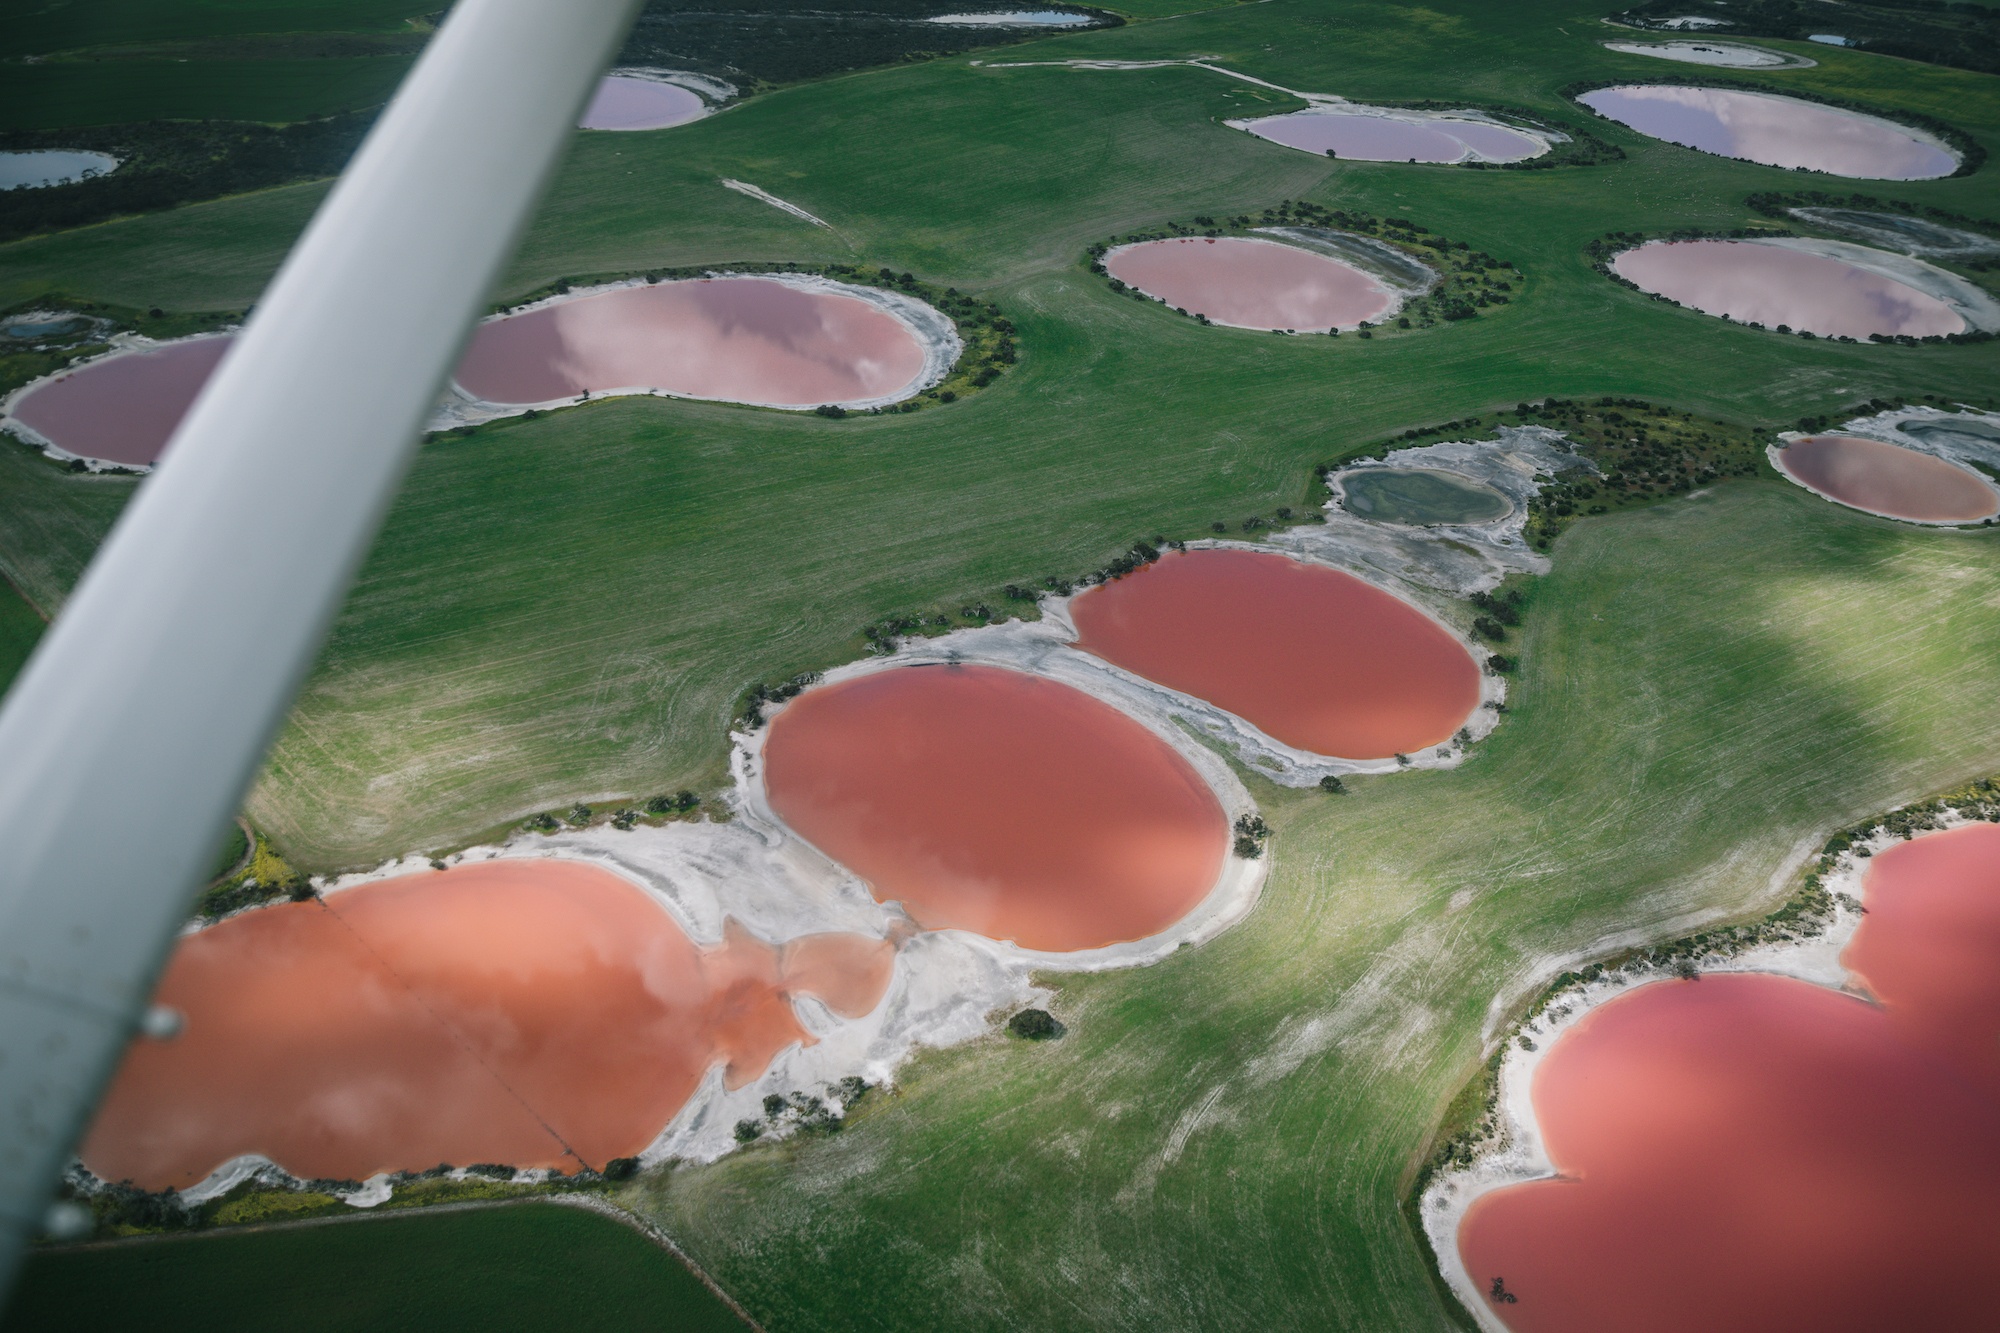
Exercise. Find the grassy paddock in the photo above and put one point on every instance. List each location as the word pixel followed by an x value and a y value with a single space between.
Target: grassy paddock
pixel 528 1267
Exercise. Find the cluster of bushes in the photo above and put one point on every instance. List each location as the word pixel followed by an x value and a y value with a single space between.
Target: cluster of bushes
pixel 761 45
pixel 1251 834
pixel 165 163
pixel 1468 280
pixel 1938 32
pixel 1035 1025
pixel 802 1112
pixel 624 819
pixel 1971 153
pixel 266 877
pixel 761 696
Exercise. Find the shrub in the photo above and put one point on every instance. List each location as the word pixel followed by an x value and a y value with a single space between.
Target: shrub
pixel 1035 1025
pixel 621 1168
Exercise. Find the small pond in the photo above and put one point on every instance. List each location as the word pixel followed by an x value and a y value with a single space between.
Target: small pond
pixel 1251 283
pixel 1776 285
pixel 1775 130
pixel 1887 479
pixel 632 102
pixel 1420 496
pixel 1374 138
pixel 44 167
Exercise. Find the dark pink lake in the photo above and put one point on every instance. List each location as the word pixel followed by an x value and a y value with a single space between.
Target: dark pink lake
pixel 1252 284
pixel 1313 657
pixel 743 340
pixel 1776 131
pixel 1775 284
pixel 1753 1154
pixel 123 408
pixel 624 102
pixel 1887 479
pixel 1380 139
pixel 994 801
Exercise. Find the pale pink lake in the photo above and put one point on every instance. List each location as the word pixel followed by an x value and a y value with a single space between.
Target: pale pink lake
pixel 1776 131
pixel 998 802
pixel 1887 479
pixel 1774 284
pixel 1252 284
pixel 623 102
pixel 1754 1154
pixel 743 340
pixel 123 408
pixel 1380 139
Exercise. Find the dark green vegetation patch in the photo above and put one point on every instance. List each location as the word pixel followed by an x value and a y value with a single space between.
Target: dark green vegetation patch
pixel 530 1268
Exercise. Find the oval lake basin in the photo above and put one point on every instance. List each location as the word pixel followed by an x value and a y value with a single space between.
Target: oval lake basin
pixel 1420 496
pixel 1367 138
pixel 1725 55
pixel 989 800
pixel 1776 131
pixel 124 408
pixel 1772 285
pixel 1755 1153
pixel 732 339
pixel 37 168
pixel 527 1012
pixel 630 102
pixel 1250 283
pixel 1887 479
pixel 1311 656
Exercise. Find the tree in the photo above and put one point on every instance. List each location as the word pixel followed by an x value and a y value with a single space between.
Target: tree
pixel 1332 785
pixel 1035 1025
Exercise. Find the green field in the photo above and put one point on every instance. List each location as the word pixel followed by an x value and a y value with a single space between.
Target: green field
pixel 570 608
pixel 20 627
pixel 533 1267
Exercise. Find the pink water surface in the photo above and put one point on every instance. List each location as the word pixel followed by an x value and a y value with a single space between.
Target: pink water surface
pixel 1380 139
pixel 1774 284
pixel 1776 131
pixel 745 340
pixel 1888 479
pixel 1754 1154
pixel 1314 657
pixel 993 801
pixel 1252 284
pixel 536 1013
pixel 123 408
pixel 623 102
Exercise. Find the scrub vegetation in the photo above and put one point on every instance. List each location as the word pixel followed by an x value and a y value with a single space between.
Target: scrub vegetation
pixel 572 609
pixel 1940 31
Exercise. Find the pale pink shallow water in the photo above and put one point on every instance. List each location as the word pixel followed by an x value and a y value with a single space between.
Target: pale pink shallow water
pixel 122 409
pixel 1252 284
pixel 993 801
pixel 1887 479
pixel 746 340
pixel 1755 1153
pixel 536 1013
pixel 623 102
pixel 1775 284
pixel 1380 139
pixel 1776 131
pixel 1311 656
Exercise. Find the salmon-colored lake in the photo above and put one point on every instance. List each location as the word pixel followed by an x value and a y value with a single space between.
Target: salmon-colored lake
pixel 742 340
pixel 1380 139
pixel 124 408
pixel 1755 1153
pixel 1773 284
pixel 1776 131
pixel 628 102
pixel 1311 656
pixel 993 801
pixel 534 1013
pixel 1252 284
pixel 1887 479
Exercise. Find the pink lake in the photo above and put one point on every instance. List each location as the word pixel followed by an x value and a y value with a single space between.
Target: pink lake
pixel 738 339
pixel 1311 656
pixel 998 802
pixel 527 1012
pixel 1751 281
pixel 1381 139
pixel 1887 479
pixel 1776 131
pixel 626 102
pixel 1252 284
pixel 122 409
pixel 1754 1154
